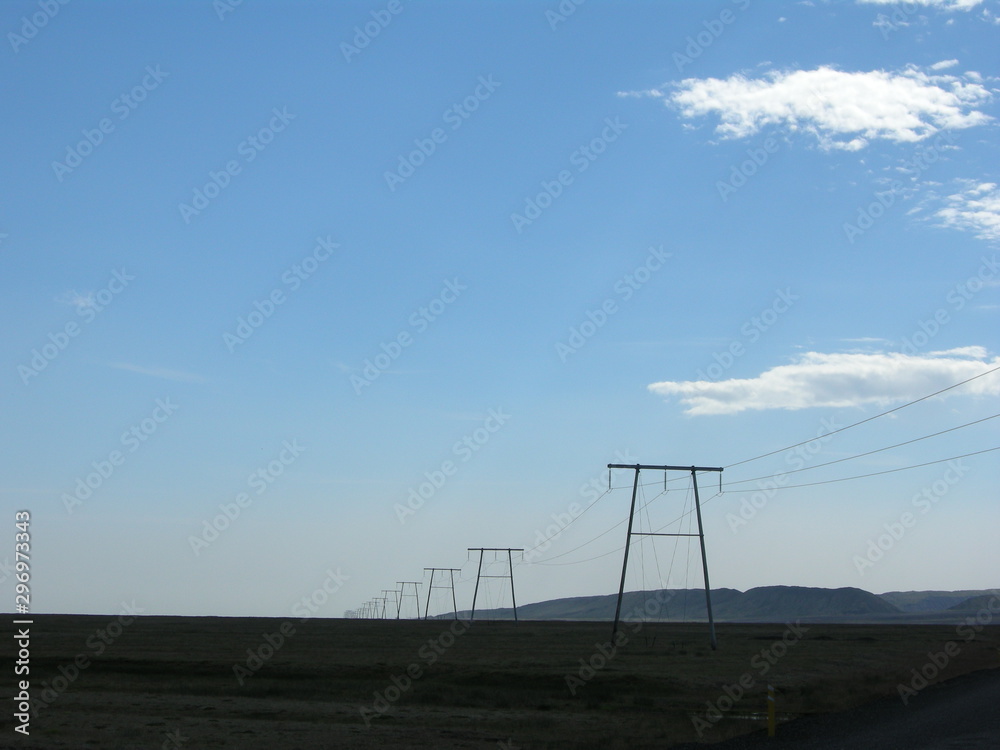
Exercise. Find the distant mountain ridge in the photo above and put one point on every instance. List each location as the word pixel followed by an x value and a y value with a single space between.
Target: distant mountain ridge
pixel 762 604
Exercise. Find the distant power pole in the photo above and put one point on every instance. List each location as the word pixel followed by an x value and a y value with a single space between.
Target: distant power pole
pixel 701 536
pixel 385 598
pixel 377 600
pixel 452 571
pixel 402 594
pixel 510 575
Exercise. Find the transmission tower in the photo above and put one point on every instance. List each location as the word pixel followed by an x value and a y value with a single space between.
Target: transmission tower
pixel 451 585
pixel 395 599
pixel 510 575
pixel 701 536
pixel 403 594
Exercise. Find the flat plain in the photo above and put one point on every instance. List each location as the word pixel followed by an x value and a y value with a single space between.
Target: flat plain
pixel 194 682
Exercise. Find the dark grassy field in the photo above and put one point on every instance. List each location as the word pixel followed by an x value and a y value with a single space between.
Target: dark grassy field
pixel 170 681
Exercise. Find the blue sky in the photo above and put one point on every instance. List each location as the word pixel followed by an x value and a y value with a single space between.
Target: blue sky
pixel 294 260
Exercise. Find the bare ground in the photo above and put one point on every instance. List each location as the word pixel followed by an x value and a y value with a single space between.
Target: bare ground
pixel 176 682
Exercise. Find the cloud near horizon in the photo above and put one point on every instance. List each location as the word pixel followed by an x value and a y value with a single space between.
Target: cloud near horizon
pixel 839 380
pixel 945 5
pixel 842 110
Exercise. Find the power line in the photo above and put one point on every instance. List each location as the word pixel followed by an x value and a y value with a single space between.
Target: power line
pixel 859 476
pixel 561 530
pixel 868 453
pixel 619 549
pixel 780 450
pixel 869 419
pixel 606 531
pixel 891 471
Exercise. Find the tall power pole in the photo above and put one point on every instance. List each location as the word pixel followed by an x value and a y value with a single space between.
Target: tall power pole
pixel 452 571
pixel 510 575
pixel 403 594
pixel 385 599
pixel 701 536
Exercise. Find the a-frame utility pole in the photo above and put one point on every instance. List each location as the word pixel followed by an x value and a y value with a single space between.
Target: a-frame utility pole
pixel 701 536
pixel 479 574
pixel 402 590
pixel 452 571
pixel 385 598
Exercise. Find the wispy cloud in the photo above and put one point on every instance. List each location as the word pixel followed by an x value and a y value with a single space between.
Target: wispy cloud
pixel 842 110
pixel 159 372
pixel 78 300
pixel 839 380
pixel 974 208
pixel 945 5
pixel 944 64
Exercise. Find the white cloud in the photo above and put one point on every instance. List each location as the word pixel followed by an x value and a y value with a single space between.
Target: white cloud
pixel 946 5
pixel 839 380
pixel 975 208
pixel 78 300
pixel 944 64
pixel 158 372
pixel 842 110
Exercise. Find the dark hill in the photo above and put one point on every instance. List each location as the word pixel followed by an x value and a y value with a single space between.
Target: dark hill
pixel 763 604
pixel 927 601
pixel 989 602
pixel 781 603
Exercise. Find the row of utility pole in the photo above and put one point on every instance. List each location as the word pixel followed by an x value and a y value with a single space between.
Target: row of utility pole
pixel 378 607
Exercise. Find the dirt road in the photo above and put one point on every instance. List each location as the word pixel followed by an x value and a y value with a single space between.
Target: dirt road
pixel 960 713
